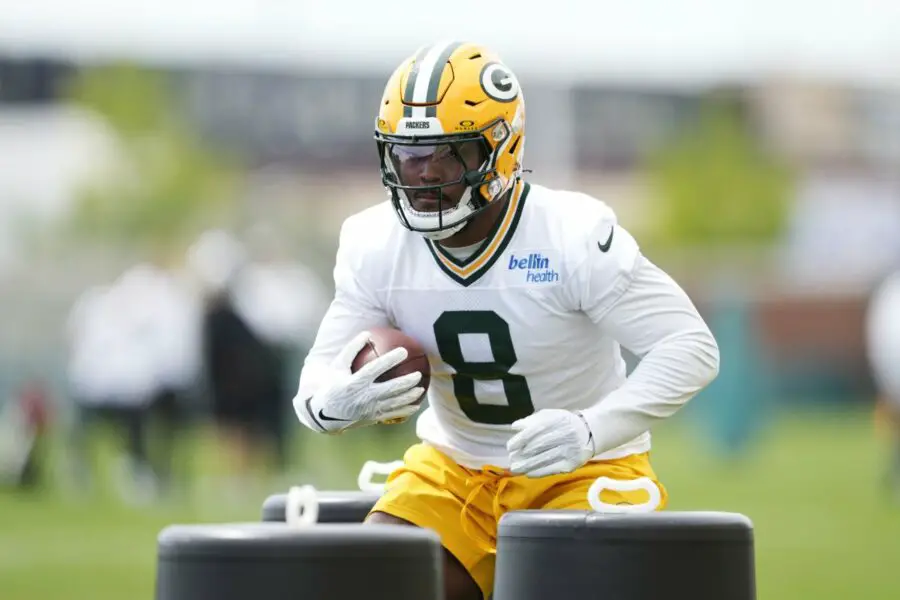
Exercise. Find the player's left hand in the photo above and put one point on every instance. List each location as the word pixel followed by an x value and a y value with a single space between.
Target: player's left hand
pixel 549 442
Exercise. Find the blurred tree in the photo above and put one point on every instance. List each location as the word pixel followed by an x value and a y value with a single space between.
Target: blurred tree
pixel 715 184
pixel 716 187
pixel 164 179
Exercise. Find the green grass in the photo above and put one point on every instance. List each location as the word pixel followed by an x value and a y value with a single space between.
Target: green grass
pixel 823 527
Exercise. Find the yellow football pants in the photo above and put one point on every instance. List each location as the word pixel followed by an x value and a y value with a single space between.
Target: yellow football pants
pixel 464 505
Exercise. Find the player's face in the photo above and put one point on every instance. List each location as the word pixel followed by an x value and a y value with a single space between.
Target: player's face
pixel 439 169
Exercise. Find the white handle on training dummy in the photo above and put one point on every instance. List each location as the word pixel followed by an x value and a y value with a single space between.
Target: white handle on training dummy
pixel 302 506
pixel 624 485
pixel 371 468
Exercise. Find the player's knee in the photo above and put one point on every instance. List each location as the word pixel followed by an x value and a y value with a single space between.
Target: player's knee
pixel 458 584
pixel 380 518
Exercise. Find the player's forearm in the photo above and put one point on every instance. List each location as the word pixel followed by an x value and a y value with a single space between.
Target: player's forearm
pixel 672 373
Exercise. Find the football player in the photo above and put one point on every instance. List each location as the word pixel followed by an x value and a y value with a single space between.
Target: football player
pixel 523 297
pixel 882 331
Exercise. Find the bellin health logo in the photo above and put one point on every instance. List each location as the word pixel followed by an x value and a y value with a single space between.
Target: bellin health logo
pixel 536 266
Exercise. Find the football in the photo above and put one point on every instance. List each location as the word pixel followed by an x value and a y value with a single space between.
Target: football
pixel 385 339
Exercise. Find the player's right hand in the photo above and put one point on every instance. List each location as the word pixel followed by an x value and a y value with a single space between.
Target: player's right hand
pixel 347 399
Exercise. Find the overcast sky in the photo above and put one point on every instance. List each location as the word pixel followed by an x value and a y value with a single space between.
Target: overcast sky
pixel 676 40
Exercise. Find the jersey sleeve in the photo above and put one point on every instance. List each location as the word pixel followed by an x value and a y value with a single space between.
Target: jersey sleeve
pixel 354 308
pixel 606 255
pixel 656 320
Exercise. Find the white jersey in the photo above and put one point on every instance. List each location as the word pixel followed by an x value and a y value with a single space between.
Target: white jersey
pixel 532 320
pixel 883 337
pixel 515 328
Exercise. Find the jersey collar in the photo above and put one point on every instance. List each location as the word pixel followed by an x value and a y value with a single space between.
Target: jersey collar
pixel 468 271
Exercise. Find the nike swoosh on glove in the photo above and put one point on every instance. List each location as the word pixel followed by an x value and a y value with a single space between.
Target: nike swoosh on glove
pixel 549 442
pixel 348 399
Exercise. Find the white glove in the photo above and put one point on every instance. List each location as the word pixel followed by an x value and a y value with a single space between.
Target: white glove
pixel 353 399
pixel 549 442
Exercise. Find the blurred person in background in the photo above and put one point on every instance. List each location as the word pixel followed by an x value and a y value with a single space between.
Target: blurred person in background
pixel 281 303
pixel 883 345
pixel 24 423
pixel 134 359
pixel 167 332
pixel 110 382
pixel 255 316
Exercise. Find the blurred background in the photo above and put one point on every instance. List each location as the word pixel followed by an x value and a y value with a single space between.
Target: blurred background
pixel 172 180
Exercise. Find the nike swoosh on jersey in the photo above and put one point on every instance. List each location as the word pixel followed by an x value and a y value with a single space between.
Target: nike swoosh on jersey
pixel 605 247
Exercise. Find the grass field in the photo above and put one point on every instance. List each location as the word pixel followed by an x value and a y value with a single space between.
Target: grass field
pixel 824 530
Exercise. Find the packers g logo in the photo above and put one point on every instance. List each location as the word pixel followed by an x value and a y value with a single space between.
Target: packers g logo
pixel 499 83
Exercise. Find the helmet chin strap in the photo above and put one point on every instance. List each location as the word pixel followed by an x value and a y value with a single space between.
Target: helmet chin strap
pixel 428 221
pixel 443 234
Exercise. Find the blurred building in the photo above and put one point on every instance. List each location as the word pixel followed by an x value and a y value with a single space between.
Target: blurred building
pixel 305 132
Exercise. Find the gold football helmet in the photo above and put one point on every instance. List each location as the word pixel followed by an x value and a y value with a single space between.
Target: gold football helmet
pixel 457 108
